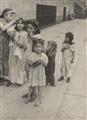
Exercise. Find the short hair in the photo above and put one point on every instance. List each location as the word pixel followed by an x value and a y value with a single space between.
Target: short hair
pixel 53 44
pixel 5 11
pixel 22 21
pixel 70 35
pixel 35 24
pixel 36 41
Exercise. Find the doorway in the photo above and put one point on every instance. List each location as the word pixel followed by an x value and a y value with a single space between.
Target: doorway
pixel 45 14
pixel 64 13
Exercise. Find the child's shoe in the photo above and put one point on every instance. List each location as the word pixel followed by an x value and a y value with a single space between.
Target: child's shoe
pixel 8 84
pixel 53 84
pixel 68 80
pixel 19 85
pixel 32 98
pixel 61 78
pixel 2 83
pixel 25 96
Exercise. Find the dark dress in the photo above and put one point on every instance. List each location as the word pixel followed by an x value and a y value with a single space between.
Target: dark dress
pixel 4 51
pixel 50 68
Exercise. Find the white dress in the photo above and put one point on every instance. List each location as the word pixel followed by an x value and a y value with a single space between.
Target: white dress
pixel 66 60
pixel 16 57
pixel 37 74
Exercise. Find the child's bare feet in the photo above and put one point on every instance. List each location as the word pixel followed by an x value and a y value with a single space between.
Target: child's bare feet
pixel 8 84
pixel 61 78
pixel 68 80
pixel 25 96
pixel 26 101
pixel 37 103
pixel 32 98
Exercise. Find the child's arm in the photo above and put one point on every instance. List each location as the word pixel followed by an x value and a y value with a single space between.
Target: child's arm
pixel 23 43
pixel 51 53
pixel 11 31
pixel 73 52
pixel 5 27
pixel 73 56
pixel 28 64
pixel 44 60
pixel 31 59
pixel 30 34
pixel 38 62
pixel 65 46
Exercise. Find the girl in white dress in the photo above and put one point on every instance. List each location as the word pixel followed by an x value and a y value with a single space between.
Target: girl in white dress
pixel 7 20
pixel 33 31
pixel 67 57
pixel 36 63
pixel 17 53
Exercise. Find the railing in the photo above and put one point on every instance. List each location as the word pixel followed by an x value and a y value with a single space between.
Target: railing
pixel 81 4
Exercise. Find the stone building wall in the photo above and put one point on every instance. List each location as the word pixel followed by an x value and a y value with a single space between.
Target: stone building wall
pixel 27 8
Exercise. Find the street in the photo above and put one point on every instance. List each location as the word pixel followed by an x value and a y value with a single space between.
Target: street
pixel 66 101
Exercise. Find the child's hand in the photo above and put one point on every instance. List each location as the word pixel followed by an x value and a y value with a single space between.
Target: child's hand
pixel 30 62
pixel 42 62
pixel 72 60
pixel 15 20
pixel 39 61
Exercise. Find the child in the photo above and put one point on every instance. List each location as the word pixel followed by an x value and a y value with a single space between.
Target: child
pixel 50 68
pixel 37 62
pixel 32 28
pixel 7 20
pixel 33 31
pixel 17 51
pixel 67 57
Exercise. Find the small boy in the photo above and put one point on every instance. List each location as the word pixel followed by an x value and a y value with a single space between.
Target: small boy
pixel 50 68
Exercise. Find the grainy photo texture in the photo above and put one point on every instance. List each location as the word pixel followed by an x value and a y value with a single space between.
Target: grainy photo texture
pixel 43 52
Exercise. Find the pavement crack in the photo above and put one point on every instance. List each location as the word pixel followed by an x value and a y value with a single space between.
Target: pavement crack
pixel 61 104
pixel 78 95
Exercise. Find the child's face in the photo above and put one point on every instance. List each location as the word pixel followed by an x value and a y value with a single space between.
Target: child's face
pixel 20 26
pixel 66 38
pixel 10 15
pixel 38 48
pixel 49 46
pixel 30 28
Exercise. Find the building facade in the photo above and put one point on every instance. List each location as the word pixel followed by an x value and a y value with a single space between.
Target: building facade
pixel 57 10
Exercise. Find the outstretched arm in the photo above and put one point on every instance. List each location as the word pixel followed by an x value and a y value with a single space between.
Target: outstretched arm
pixel 5 27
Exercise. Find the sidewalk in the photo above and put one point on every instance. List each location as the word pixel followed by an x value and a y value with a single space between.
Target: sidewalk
pixel 63 102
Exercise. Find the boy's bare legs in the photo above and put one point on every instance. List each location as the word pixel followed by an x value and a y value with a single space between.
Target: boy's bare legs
pixel 33 94
pixel 29 94
pixel 36 100
pixel 39 96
